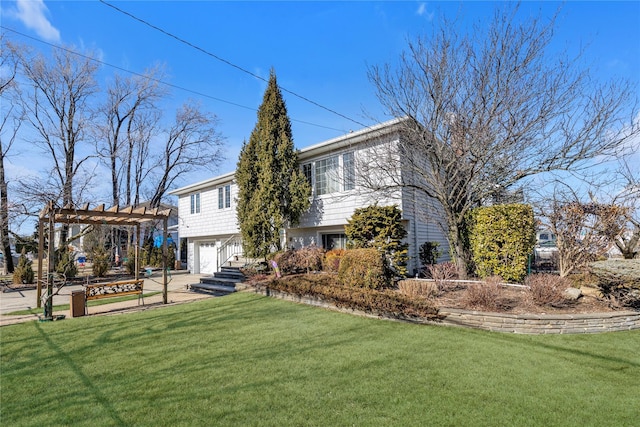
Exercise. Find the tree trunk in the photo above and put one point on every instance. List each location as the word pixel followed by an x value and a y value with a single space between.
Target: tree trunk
pixel 4 222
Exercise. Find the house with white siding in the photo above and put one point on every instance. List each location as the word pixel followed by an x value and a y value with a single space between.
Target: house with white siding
pixel 207 210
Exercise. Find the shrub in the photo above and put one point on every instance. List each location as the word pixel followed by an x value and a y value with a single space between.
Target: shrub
pixel 310 258
pixel 100 262
pixel 429 253
pixel 546 290
pixel 502 238
pixel 415 288
pixel 619 281
pixel 485 295
pixel 286 260
pixel 443 274
pixel 66 265
pixel 23 273
pixel 363 268
pixel 332 260
pixel 324 287
pixel 130 262
pixel 380 227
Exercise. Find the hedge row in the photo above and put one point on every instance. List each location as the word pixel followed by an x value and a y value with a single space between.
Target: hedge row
pixel 373 301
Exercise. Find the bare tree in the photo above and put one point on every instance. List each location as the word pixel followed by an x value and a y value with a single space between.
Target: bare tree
pixel 488 109
pixel 191 142
pixel 60 111
pixel 9 125
pixel 128 113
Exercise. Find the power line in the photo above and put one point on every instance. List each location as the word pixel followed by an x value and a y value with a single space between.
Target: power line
pixel 174 86
pixel 231 64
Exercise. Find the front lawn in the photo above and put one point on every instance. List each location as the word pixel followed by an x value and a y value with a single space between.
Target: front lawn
pixel 246 359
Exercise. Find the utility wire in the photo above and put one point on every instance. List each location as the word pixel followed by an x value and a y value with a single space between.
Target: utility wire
pixel 182 88
pixel 231 64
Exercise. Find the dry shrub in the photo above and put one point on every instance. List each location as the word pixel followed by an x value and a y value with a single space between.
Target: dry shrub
pixel 418 288
pixel 332 260
pixel 546 290
pixel 443 274
pixel 309 258
pixel 484 295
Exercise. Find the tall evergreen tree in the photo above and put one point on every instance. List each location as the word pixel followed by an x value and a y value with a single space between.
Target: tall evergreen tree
pixel 273 192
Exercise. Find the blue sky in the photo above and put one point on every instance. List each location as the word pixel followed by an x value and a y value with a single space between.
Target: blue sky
pixel 320 50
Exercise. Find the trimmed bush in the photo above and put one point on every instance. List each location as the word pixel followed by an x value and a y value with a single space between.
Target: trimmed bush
pixel 619 280
pixel 332 260
pixel 547 290
pixel 23 273
pixel 502 237
pixel 380 227
pixel 363 268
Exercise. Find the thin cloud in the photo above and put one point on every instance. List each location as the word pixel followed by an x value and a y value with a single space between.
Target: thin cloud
pixel 422 11
pixel 33 13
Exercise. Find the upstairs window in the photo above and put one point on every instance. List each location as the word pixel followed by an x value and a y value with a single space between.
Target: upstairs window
pixel 348 171
pixel 327 176
pixel 224 197
pixel 195 203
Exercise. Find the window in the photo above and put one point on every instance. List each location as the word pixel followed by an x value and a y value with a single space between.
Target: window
pixel 306 170
pixel 348 171
pixel 334 241
pixel 327 176
pixel 224 197
pixel 195 203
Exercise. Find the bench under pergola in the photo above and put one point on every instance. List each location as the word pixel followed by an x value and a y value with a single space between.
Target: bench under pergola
pixel 134 216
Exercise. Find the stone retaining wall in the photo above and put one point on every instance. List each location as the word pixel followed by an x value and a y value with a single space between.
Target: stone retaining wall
pixel 543 323
pixel 498 322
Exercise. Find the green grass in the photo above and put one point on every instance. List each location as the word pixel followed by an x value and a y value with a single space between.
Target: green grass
pixel 93 303
pixel 250 360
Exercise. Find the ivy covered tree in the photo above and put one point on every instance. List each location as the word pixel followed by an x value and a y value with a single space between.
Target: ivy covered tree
pixel 380 227
pixel 272 191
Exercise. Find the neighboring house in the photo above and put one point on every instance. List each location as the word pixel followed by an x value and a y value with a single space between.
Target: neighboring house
pixel 207 210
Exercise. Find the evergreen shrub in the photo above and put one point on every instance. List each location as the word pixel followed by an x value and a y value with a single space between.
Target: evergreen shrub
pixel 363 268
pixel 66 265
pixel 380 227
pixel 23 272
pixel 502 238
pixel 100 262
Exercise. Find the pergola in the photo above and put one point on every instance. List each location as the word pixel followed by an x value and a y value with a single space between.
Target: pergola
pixel 134 216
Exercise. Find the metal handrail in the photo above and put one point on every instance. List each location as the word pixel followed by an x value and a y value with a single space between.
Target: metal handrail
pixel 233 240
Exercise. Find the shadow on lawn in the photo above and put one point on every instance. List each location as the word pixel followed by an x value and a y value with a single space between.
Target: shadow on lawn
pixel 98 397
pixel 536 341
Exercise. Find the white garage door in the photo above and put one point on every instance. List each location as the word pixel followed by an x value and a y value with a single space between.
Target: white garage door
pixel 208 255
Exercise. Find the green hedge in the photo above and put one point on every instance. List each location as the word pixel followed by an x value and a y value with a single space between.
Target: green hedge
pixel 502 237
pixel 363 268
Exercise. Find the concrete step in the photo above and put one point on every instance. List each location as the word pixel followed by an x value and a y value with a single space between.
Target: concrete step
pixel 214 288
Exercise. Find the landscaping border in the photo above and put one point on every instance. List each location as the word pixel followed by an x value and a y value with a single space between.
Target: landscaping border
pixel 587 323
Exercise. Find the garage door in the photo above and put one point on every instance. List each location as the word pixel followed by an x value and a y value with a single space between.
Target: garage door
pixel 208 255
